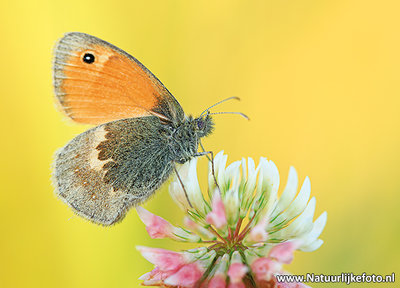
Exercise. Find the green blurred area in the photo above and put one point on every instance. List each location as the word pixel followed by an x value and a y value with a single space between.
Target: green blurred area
pixel 319 80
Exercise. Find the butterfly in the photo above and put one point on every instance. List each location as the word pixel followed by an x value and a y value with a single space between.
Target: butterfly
pixel 142 131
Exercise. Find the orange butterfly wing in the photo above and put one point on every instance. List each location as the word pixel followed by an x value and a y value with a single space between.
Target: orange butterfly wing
pixel 96 82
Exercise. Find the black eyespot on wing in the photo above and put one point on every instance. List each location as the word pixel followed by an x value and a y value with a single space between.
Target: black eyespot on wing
pixel 88 58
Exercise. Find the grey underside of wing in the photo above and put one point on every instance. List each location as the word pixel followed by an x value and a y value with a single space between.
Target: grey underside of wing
pixel 104 171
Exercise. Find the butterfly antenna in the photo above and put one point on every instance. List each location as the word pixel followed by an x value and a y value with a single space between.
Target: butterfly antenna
pixel 229 98
pixel 238 113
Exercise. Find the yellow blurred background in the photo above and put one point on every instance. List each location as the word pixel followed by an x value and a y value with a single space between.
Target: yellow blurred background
pixel 319 80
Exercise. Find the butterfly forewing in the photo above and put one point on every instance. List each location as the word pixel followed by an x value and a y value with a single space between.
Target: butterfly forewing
pixel 96 82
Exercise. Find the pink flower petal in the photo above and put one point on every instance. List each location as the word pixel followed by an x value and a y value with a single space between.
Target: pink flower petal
pixel 236 272
pixel 218 281
pixel 283 252
pixel 190 223
pixel 165 260
pixel 292 285
pixel 156 226
pixel 258 233
pixel 263 268
pixel 186 276
pixel 155 277
pixel 266 284
pixel 237 285
pixel 217 216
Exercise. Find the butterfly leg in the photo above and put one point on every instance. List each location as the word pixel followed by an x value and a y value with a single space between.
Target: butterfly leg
pixel 183 186
pixel 204 150
pixel 205 153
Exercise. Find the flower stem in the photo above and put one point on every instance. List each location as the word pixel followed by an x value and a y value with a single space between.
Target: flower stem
pixel 216 234
pixel 209 241
pixel 246 229
pixel 239 224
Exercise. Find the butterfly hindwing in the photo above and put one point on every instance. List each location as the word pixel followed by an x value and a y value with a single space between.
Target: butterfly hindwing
pixel 104 171
pixel 96 82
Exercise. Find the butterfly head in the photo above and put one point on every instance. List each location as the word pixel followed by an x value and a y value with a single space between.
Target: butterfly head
pixel 204 125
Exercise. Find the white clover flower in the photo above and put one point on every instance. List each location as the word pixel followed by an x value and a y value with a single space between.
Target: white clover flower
pixel 247 231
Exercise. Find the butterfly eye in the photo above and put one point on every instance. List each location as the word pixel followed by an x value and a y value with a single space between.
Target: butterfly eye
pixel 88 58
pixel 200 124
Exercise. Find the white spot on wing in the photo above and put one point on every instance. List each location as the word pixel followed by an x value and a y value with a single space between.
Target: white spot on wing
pixel 94 162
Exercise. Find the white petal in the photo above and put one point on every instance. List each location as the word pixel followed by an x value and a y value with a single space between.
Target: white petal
pixel 221 266
pixel 319 224
pixel 145 276
pixel 243 176
pixel 244 169
pixel 231 203
pixel 248 193
pixel 268 185
pixel 219 166
pixel 289 192
pixel 297 206
pixel 304 222
pixel 218 157
pixel 262 166
pixel 184 235
pixel 203 232
pixel 177 194
pixel 236 258
pixel 313 246
pixel 301 225
pixel 274 184
pixel 251 177
pixel 194 254
pixel 220 171
pixel 232 175
pixel 175 188
pixel 316 231
pixel 217 163
pixel 252 166
pixel 183 169
pixel 301 200
pixel 192 188
pixel 208 257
